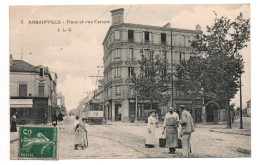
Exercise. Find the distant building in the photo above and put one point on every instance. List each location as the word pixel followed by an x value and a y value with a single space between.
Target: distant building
pixel 61 103
pixel 122 45
pixel 248 108
pixel 32 92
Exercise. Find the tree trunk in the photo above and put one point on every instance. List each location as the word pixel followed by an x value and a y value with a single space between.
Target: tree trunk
pixel 151 104
pixel 228 110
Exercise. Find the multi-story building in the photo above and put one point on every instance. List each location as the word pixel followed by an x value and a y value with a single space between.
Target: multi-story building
pixel 248 108
pixel 32 92
pixel 122 45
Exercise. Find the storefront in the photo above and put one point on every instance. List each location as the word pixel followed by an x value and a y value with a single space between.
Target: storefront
pixel 143 110
pixel 30 111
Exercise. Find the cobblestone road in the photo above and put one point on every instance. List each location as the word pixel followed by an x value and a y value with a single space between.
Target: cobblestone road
pixel 127 141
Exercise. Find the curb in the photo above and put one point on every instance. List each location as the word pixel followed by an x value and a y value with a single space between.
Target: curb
pixel 235 133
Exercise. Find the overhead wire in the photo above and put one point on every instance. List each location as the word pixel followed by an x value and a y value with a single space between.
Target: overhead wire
pixel 135 13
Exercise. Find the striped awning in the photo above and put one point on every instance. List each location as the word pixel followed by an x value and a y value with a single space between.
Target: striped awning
pixel 21 103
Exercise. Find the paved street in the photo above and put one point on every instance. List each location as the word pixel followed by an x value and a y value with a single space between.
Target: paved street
pixel 119 140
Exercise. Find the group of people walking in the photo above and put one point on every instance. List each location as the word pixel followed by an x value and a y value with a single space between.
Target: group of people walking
pixel 174 128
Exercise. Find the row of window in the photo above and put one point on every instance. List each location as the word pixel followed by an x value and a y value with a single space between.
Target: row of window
pixel 118 91
pixel 148 37
pixel 134 54
pixel 23 90
pixel 117 73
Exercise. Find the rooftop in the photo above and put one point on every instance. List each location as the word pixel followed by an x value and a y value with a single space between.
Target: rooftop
pixel 22 66
pixel 152 28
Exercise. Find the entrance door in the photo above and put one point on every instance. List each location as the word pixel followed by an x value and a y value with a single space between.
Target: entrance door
pixel 216 116
pixel 212 113
pixel 118 112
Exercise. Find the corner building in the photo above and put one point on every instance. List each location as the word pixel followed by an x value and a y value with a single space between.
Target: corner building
pixel 122 45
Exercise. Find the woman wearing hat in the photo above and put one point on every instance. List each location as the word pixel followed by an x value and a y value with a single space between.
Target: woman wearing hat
pixel 150 134
pixel 77 133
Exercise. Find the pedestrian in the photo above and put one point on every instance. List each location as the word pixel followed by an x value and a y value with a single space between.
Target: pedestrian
pixel 54 119
pixel 150 134
pixel 171 126
pixel 187 127
pixel 83 135
pixel 13 123
pixel 60 118
pixel 45 118
pixel 77 135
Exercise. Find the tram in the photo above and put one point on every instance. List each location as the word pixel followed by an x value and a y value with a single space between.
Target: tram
pixel 93 112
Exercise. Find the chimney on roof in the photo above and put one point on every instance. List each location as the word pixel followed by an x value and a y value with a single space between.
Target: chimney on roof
pixel 198 28
pixel 11 60
pixel 117 16
pixel 168 25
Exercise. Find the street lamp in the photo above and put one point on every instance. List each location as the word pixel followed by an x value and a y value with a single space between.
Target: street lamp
pixel 241 117
pixel 136 99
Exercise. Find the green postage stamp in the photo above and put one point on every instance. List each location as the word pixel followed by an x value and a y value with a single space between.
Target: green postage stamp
pixel 38 142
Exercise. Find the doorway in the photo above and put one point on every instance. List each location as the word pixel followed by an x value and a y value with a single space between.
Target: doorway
pixel 212 112
pixel 118 112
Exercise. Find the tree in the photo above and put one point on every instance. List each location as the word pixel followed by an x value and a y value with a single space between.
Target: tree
pixel 219 55
pixel 152 82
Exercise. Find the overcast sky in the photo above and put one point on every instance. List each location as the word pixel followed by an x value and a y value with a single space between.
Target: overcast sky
pixel 75 55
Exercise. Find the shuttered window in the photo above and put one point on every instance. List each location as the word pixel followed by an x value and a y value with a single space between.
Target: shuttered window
pixel 22 90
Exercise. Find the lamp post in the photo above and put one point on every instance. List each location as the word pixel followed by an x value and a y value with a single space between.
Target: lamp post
pixel 171 70
pixel 136 99
pixel 241 112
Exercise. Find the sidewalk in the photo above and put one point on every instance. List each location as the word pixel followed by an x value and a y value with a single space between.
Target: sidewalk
pixel 140 123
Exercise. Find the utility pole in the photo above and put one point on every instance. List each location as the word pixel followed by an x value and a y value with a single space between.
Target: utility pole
pixel 241 111
pixel 171 69
pixel 22 54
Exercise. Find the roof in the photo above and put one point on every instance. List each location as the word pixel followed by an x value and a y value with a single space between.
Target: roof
pixel 151 27
pixel 22 66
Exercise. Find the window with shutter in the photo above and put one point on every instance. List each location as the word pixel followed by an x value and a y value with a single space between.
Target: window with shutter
pixel 22 90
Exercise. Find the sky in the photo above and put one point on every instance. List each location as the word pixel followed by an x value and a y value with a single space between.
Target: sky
pixel 76 55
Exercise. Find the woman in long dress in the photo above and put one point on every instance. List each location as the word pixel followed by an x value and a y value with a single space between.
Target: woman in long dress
pixel 77 133
pixel 13 123
pixel 83 141
pixel 150 134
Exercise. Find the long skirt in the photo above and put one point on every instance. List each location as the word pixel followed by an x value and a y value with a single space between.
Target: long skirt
pixel 77 137
pixel 13 127
pixel 171 139
pixel 150 137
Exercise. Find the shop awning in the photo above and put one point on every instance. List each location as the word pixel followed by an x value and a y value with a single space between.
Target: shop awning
pixel 21 103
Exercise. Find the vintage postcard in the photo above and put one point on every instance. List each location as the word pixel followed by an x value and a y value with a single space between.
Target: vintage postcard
pixel 130 81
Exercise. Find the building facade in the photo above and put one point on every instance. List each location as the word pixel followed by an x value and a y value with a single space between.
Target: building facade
pixel 122 46
pixel 32 92
pixel 248 108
